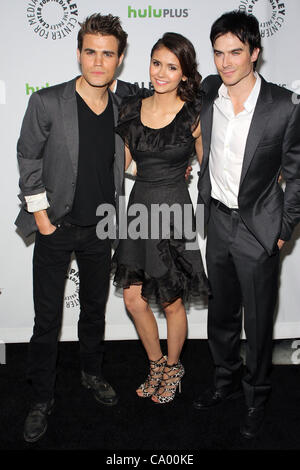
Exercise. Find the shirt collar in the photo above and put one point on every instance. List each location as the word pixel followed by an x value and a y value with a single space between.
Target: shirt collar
pixel 250 102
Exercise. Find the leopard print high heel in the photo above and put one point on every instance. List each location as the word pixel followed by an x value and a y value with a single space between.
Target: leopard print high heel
pixel 152 382
pixel 174 373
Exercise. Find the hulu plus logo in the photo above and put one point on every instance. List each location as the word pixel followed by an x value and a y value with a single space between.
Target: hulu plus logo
pixel 151 12
pixel 31 89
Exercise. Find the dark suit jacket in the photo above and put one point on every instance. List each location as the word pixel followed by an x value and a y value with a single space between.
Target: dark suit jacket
pixel 273 146
pixel 48 150
pixel 125 89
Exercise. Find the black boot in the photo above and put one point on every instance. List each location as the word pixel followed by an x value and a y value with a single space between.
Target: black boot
pixel 252 422
pixel 214 397
pixel 36 421
pixel 103 392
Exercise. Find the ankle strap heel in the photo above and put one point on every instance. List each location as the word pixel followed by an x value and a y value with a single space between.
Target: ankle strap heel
pixel 152 382
pixel 171 380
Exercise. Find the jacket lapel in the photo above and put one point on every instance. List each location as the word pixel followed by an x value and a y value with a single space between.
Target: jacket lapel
pixel 116 101
pixel 206 118
pixel 257 126
pixel 70 120
pixel 119 163
pixel 206 129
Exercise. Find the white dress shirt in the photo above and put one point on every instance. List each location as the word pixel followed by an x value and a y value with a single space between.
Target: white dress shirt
pixel 228 142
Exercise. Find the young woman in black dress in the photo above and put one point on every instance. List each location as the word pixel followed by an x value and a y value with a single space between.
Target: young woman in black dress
pixel 161 133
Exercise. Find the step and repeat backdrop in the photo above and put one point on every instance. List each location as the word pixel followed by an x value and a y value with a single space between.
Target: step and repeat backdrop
pixel 38 49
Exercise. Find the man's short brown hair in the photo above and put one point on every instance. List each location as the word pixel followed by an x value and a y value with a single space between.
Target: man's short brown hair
pixel 107 25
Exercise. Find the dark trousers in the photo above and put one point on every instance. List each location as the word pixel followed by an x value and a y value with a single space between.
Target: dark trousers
pixel 241 274
pixel 51 259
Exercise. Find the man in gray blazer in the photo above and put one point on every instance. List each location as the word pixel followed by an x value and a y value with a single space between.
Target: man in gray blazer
pixel 250 131
pixel 70 162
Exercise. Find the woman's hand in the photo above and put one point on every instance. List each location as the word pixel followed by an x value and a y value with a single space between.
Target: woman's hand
pixel 188 172
pixel 198 143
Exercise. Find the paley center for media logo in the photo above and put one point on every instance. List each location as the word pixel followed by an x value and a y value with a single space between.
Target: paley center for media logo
pixel 52 19
pixel 270 14
pixel 71 299
pixel 150 12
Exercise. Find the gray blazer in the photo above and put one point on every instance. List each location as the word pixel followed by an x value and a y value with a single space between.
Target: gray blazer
pixel 273 146
pixel 48 150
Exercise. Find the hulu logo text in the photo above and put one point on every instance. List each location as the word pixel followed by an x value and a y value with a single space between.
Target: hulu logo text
pixel 32 89
pixel 151 12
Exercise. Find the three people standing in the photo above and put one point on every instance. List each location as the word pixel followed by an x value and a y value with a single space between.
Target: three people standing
pixel 249 133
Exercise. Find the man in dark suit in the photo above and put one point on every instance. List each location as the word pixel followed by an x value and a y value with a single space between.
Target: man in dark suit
pixel 250 132
pixel 70 162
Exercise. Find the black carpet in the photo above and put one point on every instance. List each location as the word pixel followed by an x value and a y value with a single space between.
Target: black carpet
pixel 78 422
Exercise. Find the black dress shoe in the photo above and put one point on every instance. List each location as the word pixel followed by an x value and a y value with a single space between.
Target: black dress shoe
pixel 36 421
pixel 103 392
pixel 211 398
pixel 252 423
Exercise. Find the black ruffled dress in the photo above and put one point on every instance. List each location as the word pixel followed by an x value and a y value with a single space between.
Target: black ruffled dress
pixel 162 265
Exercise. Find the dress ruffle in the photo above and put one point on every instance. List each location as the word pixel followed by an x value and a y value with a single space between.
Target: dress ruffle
pixel 177 132
pixel 179 281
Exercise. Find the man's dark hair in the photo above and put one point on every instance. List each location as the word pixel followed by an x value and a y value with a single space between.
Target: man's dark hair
pixel 107 25
pixel 242 25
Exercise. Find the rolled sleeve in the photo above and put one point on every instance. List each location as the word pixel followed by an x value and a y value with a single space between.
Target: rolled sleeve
pixel 37 202
pixel 34 134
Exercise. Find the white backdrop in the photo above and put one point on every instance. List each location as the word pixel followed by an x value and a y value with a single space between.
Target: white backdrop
pixel 38 49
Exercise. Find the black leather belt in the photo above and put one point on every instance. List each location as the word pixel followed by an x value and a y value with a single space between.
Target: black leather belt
pixel 222 207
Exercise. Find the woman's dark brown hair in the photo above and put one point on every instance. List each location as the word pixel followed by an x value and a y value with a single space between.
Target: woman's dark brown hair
pixel 186 54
